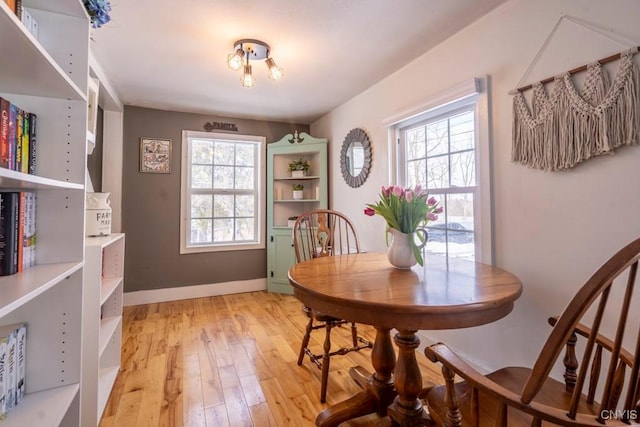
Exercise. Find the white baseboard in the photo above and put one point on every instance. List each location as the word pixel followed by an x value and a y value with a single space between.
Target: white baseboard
pixel 195 291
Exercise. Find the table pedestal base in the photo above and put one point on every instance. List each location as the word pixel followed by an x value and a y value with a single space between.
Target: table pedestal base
pixel 379 390
pixel 407 410
pixel 398 401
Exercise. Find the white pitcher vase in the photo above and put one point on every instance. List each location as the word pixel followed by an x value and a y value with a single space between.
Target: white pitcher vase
pixel 400 253
pixel 98 214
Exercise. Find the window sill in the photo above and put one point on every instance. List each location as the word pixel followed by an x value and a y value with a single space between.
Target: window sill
pixel 221 248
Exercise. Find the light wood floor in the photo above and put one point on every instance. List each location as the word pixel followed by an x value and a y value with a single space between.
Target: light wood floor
pixel 228 361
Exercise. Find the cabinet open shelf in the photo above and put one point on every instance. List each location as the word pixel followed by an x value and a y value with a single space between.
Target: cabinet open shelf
pixel 290 178
pixel 44 408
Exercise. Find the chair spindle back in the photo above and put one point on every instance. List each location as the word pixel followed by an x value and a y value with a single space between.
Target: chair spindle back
pixel 323 232
pixel 621 389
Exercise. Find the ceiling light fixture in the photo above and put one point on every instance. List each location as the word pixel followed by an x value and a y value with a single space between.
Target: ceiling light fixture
pixel 247 49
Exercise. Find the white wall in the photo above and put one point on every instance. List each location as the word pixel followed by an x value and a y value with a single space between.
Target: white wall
pixel 551 229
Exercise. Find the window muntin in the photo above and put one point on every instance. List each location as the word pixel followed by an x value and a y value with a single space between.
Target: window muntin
pixel 440 155
pixel 223 192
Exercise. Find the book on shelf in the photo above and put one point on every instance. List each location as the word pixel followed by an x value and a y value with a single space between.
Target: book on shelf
pixel 13 339
pixel 33 118
pixel 21 220
pixel 11 4
pixel 9 337
pixel 21 367
pixel 17 231
pixel 35 28
pixel 26 18
pixel 29 235
pixel 8 233
pixel 18 138
pixel 24 161
pixel 13 117
pixel 4 132
pixel 21 230
pixel 29 22
pixel 3 380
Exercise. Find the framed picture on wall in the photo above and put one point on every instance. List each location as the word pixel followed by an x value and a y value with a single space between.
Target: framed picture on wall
pixel 155 155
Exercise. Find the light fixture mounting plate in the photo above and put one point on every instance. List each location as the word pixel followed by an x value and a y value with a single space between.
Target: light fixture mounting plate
pixel 256 49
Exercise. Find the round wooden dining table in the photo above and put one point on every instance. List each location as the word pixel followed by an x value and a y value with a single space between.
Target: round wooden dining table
pixel 366 288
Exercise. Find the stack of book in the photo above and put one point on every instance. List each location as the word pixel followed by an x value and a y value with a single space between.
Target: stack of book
pixel 23 15
pixel 17 138
pixel 13 346
pixel 17 231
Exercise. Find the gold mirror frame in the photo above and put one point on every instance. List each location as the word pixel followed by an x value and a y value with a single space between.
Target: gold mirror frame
pixel 355 135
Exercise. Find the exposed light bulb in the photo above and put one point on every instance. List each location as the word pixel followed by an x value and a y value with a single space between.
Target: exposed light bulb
pixel 247 79
pixel 235 61
pixel 275 72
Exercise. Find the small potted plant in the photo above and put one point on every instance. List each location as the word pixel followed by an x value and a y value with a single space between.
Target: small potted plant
pixel 291 220
pixel 299 167
pixel 297 192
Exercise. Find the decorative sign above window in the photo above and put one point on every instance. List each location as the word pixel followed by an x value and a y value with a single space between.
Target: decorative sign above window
pixel 211 126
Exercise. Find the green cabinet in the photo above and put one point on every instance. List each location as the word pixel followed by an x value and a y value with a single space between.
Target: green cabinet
pixel 283 204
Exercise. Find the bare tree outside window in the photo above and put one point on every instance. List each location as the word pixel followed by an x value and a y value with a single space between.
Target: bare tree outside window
pixel 223 191
pixel 441 156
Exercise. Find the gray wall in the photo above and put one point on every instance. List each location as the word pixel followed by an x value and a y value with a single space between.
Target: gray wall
pixel 151 207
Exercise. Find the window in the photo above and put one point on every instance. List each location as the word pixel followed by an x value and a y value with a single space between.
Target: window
pixel 445 150
pixel 222 200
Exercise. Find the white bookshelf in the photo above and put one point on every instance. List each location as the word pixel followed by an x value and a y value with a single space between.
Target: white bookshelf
pixel 50 405
pixel 48 77
pixel 102 320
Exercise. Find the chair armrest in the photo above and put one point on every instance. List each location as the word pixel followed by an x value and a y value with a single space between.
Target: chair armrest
pixel 442 354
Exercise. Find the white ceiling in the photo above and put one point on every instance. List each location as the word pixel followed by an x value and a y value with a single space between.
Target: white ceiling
pixel 171 55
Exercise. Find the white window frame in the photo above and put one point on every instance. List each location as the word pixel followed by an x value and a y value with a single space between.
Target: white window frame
pixel 185 193
pixel 468 95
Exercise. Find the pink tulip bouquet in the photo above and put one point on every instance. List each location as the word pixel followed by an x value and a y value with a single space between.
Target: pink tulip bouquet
pixel 406 210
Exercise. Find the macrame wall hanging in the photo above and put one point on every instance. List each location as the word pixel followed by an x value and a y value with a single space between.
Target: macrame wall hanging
pixel 569 126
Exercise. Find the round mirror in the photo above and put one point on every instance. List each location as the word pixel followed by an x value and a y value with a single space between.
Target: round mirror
pixel 355 157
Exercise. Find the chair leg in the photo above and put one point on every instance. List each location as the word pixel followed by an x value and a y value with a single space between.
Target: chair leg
pixel 325 363
pixel 305 341
pixel 354 334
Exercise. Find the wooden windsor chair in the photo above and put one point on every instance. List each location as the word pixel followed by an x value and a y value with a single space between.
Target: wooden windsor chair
pixel 516 396
pixel 319 233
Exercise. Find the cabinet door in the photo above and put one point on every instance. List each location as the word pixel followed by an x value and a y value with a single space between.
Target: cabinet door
pixel 279 264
